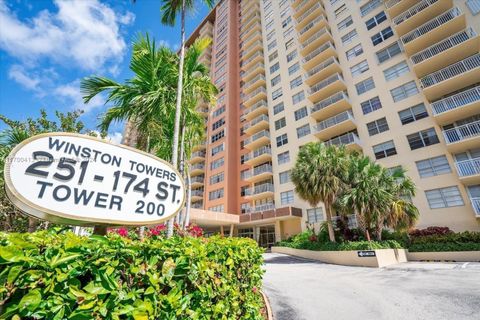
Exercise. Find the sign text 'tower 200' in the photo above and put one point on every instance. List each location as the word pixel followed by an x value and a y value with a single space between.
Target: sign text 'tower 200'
pixel 76 179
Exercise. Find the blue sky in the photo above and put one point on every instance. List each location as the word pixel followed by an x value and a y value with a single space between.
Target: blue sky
pixel 46 47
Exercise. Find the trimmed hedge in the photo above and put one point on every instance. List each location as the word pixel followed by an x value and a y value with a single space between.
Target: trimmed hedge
pixel 64 276
pixel 446 241
pixel 341 246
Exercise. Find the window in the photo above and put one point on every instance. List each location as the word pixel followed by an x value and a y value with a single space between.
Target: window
pixel 365 86
pixel 275 67
pixel 218 112
pixel 296 82
pixel 396 71
pixel 303 131
pixel 215 194
pixel 345 23
pixel 286 197
pixel 422 139
pixel 354 52
pixel 272 45
pixel 377 126
pixel 217 178
pixel 218 136
pixel 277 94
pixel 269 25
pixel 370 6
pixel 444 197
pixel 289 44
pixel 296 98
pixel 288 32
pixel 278 108
pixel 217 124
pixel 280 123
pixel 286 22
pixel 359 68
pixel 273 56
pixel 404 91
pixel 283 157
pixel 219 208
pixel 384 150
pixel 413 114
pixel 473 6
pixel 382 36
pixel 270 35
pixel 349 37
pixel 340 10
pixel 371 105
pixel 389 52
pixel 301 113
pixel 293 68
pixel 375 21
pixel 433 166
pixel 276 81
pixel 315 215
pixel 291 55
pixel 282 140
pixel 284 177
pixel 217 149
pixel 217 163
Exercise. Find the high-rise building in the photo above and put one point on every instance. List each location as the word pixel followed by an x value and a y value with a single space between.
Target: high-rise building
pixel 397 80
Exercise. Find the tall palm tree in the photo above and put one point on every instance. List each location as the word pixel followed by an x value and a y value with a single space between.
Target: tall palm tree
pixel 318 177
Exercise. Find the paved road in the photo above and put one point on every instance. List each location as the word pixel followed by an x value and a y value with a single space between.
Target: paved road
pixel 303 289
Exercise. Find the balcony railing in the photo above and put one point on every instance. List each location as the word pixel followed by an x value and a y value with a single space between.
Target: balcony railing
pixel 258 135
pixel 329 101
pixel 254 93
pixel 266 187
pixel 317 51
pixel 431 24
pixel 321 66
pixel 322 84
pixel 197 205
pixel 197 193
pixel 456 101
pixel 264 168
pixel 330 122
pixel 200 154
pixel 249 83
pixel 258 119
pixel 314 37
pixel 198 166
pixel 301 5
pixel 413 11
pixel 391 3
pixel 451 71
pixel 253 35
pixel 312 24
pixel 253 69
pixel 344 139
pixel 198 179
pixel 258 152
pixel 463 132
pixel 263 207
pixel 259 104
pixel 469 167
pixel 253 57
pixel 443 45
pixel 476 205
pixel 309 11
pixel 254 8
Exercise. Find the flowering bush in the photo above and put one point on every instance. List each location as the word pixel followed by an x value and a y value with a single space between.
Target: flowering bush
pixel 159 231
pixel 430 231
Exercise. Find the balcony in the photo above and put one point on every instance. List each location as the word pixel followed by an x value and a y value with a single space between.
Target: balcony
pixel 463 137
pixel 434 30
pixel 254 18
pixel 260 191
pixel 305 18
pixel 315 40
pixel 246 4
pixel 197 205
pixel 307 31
pixel 396 7
pixel 260 173
pixel 301 6
pixel 256 36
pixel 257 109
pixel 458 106
pixel 419 14
pixel 257 57
pixel 318 55
pixel 257 140
pixel 476 206
pixel 322 70
pixel 330 106
pixel 257 124
pixel 202 110
pixel 197 195
pixel 335 126
pixel 253 84
pixel 200 146
pixel 197 181
pixel 256 69
pixel 197 169
pixel 253 27
pixel 252 49
pixel 267 213
pixel 263 207
pixel 326 88
pixel 446 52
pixel 245 15
pixel 260 155
pixel 255 96
pixel 452 78
pixel 197 156
pixel 469 171
pixel 350 140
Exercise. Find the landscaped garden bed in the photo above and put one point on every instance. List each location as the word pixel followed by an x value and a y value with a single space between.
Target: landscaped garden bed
pixel 55 276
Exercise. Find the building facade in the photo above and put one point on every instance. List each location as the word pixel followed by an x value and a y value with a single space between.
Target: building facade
pixel 397 80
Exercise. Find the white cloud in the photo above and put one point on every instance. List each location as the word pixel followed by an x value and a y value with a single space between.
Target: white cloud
pixel 115 137
pixel 82 32
pixel 70 93
pixel 19 74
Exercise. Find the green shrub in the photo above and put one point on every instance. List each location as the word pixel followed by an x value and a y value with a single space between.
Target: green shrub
pixel 444 246
pixel 60 276
pixel 462 241
pixel 343 246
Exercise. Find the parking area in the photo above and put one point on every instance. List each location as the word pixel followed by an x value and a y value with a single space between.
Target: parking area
pixel 304 289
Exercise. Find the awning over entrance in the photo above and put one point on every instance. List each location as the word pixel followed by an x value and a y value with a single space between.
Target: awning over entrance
pixel 279 214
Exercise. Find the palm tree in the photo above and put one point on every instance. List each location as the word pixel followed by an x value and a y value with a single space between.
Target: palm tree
pixel 318 176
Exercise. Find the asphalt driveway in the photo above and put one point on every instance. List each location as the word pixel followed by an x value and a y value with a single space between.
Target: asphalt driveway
pixel 304 289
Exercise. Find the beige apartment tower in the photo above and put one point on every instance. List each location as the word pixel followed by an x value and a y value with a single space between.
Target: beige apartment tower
pixel 398 80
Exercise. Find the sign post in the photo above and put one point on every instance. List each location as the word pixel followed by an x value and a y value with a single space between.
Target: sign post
pixel 79 180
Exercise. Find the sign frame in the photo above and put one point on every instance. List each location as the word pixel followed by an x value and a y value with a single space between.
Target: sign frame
pixel 366 253
pixel 31 209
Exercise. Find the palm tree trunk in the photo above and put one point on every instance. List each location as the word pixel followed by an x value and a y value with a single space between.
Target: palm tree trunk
pixel 178 107
pixel 328 214
pixel 32 224
pixel 182 166
pixel 189 196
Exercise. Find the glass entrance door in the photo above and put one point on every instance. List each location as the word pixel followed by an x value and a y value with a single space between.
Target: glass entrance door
pixel 266 237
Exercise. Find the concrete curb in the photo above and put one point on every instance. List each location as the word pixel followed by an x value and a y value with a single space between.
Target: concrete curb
pixel 267 306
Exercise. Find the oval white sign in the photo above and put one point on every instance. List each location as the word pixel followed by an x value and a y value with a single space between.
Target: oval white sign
pixel 80 180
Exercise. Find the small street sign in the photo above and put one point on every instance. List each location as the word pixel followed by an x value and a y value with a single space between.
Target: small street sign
pixel 366 253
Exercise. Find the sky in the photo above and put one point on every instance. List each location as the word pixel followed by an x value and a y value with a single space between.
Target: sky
pixel 48 46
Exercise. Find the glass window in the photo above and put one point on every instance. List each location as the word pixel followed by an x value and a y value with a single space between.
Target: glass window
pixel 217 163
pixel 365 85
pixel 359 68
pixel 272 45
pixel 293 68
pixel 278 108
pixel 282 140
pixel 382 36
pixel 422 139
pixel 303 131
pixel 291 55
pixel 298 97
pixel 345 23
pixel 370 6
pixel 444 197
pixel 371 105
pixel 274 67
pixel 315 215
pixel 354 52
pixel 283 157
pixel 219 111
pixel 217 124
pixel 217 149
pixel 413 113
pixel 384 150
pixel 473 6
pixel 389 52
pixel 217 178
pixel 277 94
pixel 276 81
pixel 273 56
pixel 404 91
pixel 270 35
pixel 217 136
pixel 396 71
pixel 286 197
pixel 284 177
pixel 377 126
pixel 289 44
pixel 349 37
pixel 340 10
pixel 301 113
pixel 286 22
pixel 433 166
pixel 375 21
pixel 296 82
pixel 219 208
pixel 215 194
pixel 280 123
